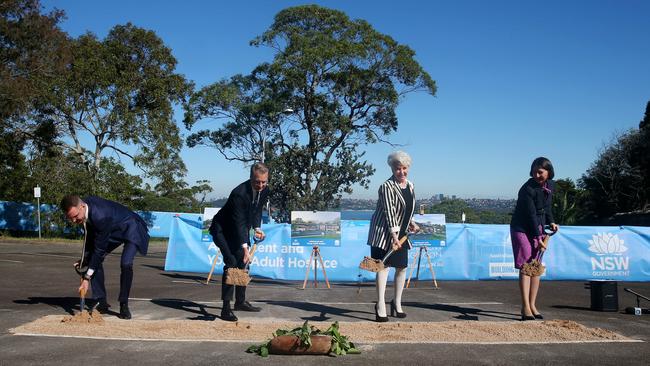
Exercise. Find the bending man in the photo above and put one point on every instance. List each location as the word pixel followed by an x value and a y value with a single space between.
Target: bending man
pixel 107 225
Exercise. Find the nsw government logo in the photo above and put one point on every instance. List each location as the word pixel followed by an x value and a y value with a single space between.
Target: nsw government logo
pixel 609 259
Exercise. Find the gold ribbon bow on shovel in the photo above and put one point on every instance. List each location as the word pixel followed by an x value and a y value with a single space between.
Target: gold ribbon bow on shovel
pixel 376 265
pixel 535 267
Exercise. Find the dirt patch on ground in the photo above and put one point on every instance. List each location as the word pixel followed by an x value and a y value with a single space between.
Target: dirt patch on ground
pixel 84 317
pixel 553 331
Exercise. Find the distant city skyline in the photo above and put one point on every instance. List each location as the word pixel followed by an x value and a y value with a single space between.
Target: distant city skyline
pixel 516 80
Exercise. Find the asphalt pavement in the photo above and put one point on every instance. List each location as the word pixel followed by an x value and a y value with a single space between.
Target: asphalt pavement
pixel 37 279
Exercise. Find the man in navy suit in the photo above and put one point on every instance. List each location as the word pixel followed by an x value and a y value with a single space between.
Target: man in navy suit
pixel 107 225
pixel 230 232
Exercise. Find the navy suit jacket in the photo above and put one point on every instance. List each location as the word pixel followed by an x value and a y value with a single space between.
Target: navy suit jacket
pixel 239 215
pixel 533 208
pixel 110 224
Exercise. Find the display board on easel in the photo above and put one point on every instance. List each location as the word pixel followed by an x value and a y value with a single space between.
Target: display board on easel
pixel 315 229
pixel 208 215
pixel 432 234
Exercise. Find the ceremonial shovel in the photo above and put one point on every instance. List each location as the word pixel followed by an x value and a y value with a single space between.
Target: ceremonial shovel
pixel 82 299
pixel 376 265
pixel 240 277
pixel 535 267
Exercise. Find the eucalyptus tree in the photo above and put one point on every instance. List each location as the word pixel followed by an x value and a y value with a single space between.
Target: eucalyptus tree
pixel 341 79
pixel 116 98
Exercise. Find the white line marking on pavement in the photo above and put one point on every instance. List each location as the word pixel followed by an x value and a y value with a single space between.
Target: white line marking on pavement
pixel 48 255
pixel 235 341
pixel 311 302
pixel 9 260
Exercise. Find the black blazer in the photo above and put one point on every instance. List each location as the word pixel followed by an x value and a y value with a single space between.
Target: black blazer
pixel 239 215
pixel 109 223
pixel 533 208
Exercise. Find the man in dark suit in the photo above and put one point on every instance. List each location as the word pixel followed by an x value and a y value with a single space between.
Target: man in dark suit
pixel 107 225
pixel 230 231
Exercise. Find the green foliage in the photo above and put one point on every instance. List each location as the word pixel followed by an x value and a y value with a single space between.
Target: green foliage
pixel 33 50
pixel 65 104
pixel 116 95
pixel 340 343
pixel 454 208
pixel 342 80
pixel 565 202
pixel 13 169
pixel 619 179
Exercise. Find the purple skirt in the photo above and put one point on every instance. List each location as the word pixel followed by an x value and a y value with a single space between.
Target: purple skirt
pixel 524 247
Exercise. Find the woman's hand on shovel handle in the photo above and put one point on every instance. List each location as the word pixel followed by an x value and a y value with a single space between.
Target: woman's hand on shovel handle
pixel 395 240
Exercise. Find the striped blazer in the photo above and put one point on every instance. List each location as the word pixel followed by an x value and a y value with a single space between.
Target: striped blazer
pixel 389 214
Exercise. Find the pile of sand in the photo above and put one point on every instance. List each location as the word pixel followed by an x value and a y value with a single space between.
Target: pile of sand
pixel 258 330
pixel 84 317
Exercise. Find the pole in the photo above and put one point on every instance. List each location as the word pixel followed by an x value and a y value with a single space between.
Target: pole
pixel 38 208
pixel 37 194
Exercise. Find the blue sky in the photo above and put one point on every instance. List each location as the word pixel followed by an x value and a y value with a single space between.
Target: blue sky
pixel 516 79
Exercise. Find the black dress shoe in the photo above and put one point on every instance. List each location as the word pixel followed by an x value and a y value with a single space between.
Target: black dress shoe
pixel 228 315
pixel 394 312
pixel 125 313
pixel 246 306
pixel 101 306
pixel 527 317
pixel 380 319
pixel 538 316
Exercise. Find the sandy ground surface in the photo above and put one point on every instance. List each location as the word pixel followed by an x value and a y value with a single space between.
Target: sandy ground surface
pixel 38 285
pixel 552 331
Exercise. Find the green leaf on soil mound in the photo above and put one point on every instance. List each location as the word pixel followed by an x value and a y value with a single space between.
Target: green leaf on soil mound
pixel 340 343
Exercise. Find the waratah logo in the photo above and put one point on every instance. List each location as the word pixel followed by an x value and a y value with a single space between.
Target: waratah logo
pixel 606 243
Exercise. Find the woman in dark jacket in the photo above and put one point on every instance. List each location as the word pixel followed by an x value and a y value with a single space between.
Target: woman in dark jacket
pixel 390 222
pixel 532 213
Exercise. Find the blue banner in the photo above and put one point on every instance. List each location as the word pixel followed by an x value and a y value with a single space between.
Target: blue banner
pixel 471 252
pixel 22 217
pixel 19 216
pixel 160 223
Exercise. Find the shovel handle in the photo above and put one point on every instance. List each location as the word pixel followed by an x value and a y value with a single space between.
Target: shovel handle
pixel 390 252
pixel 548 231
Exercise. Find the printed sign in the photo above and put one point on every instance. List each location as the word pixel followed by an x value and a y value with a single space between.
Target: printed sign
pixel 433 231
pixel 315 228
pixel 208 214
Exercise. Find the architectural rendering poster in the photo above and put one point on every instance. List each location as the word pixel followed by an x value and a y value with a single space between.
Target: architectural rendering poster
pixel 208 214
pixel 321 228
pixel 433 231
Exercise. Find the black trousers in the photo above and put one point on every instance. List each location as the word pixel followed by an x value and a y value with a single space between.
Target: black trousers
pixel 233 257
pixel 126 275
